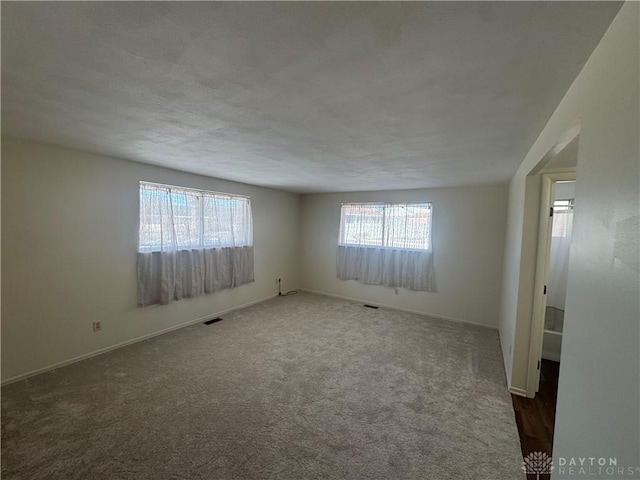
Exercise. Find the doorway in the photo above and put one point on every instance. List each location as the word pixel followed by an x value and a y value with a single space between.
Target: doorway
pixel 558 267
pixel 549 193
pixel 552 262
pixel 535 416
pixel 556 187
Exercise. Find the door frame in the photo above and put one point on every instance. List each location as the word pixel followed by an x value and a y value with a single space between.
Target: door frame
pixel 547 197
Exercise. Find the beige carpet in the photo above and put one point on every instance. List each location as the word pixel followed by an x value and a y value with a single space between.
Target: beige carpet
pixel 298 387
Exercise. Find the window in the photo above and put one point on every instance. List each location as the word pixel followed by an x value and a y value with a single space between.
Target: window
pixel 562 205
pixel 562 217
pixel 191 243
pixel 386 244
pixel 405 226
pixel 178 218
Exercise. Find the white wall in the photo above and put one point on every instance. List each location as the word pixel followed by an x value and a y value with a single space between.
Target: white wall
pixel 468 241
pixel 69 225
pixel 598 412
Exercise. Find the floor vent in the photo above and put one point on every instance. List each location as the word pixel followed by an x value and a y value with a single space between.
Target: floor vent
pixel 370 306
pixel 209 322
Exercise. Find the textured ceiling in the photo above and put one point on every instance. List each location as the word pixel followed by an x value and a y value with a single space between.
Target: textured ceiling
pixel 307 97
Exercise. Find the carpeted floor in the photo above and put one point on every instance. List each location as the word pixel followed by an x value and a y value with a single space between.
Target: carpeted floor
pixel 298 387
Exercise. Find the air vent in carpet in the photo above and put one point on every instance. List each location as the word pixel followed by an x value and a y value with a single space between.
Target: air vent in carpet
pixel 209 322
pixel 370 306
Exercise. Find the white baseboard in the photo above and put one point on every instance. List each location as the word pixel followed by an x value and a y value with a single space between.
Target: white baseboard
pixel 100 351
pixel 505 359
pixel 518 391
pixel 392 307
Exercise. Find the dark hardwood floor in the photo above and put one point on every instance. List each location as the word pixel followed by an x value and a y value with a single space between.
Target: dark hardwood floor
pixel 535 417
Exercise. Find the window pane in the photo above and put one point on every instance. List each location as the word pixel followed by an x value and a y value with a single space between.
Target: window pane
pixel 181 218
pixel 362 224
pixel 154 206
pixel 562 217
pixel 392 225
pixel 186 219
pixel 408 226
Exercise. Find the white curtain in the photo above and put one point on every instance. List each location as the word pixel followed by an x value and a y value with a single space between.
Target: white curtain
pixel 386 244
pixel 191 242
pixel 390 267
pixel 167 276
pixel 392 225
pixel 176 218
pixel 559 258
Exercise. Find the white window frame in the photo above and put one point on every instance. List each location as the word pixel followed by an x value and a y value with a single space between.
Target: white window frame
pixel 201 194
pixel 385 205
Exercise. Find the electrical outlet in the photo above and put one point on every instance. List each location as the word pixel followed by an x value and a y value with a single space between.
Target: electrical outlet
pixel 97 326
